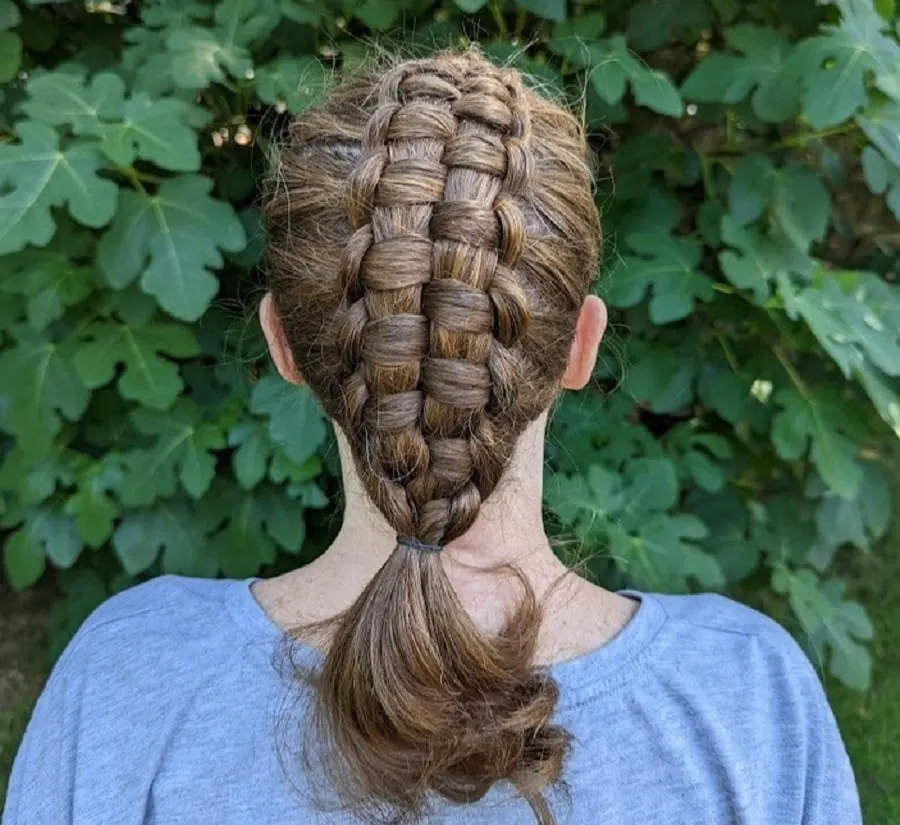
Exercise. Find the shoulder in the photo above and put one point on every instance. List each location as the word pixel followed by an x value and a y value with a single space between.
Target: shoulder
pixel 722 638
pixel 719 617
pixel 163 603
pixel 124 685
pixel 747 672
pixel 160 626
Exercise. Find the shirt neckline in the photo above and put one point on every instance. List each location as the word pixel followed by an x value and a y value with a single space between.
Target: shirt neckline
pixel 598 671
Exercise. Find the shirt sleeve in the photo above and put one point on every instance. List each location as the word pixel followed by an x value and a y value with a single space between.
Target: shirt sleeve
pixel 831 796
pixel 41 785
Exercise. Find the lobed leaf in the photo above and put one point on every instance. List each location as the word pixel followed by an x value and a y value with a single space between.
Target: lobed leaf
pixel 171 240
pixel 36 175
pixel 760 68
pixel 148 378
pixel 41 390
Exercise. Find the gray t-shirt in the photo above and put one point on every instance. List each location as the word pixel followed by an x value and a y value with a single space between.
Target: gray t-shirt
pixel 164 711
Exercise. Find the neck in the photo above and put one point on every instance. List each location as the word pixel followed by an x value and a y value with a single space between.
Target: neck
pixel 509 533
pixel 509 527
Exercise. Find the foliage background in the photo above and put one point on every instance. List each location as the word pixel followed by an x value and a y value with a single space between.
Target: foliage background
pixel 750 188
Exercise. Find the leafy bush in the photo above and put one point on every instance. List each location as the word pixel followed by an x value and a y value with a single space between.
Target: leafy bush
pixel 751 182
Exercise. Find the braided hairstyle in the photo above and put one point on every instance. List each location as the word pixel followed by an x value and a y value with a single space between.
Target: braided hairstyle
pixel 432 237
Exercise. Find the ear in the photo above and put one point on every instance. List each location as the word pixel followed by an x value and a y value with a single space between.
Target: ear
pixel 583 352
pixel 275 338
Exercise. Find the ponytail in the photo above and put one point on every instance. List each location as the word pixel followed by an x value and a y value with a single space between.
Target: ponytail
pixel 413 699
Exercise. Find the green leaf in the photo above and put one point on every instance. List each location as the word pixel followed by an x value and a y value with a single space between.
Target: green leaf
pixel 153 130
pixel 147 62
pixel 833 67
pixel 840 522
pixel 200 59
pixel 296 82
pixel 283 469
pixel 653 89
pixel 46 535
pixel 706 474
pixel 34 478
pixel 182 450
pixel 24 561
pixel 612 66
pixel 855 322
pixel 882 178
pixel 663 555
pixel 670 267
pixel 750 189
pixel 831 622
pixel 379 15
pixel 586 503
pixel 251 460
pixel 886 8
pixel 569 38
pixel 875 500
pixel 784 529
pixel 882 127
pixel 171 240
pixel 636 161
pixel 724 391
pixel 255 231
pixel 548 9
pixel 802 205
pixel 883 397
pixel 755 261
pixel 173 13
pixel 651 23
pixel 799 200
pixel 148 378
pixel 60 98
pixel 296 422
pixel 818 421
pixel 245 525
pixel 651 484
pixel 10 16
pixel 50 282
pixel 10 55
pixel 245 21
pixel 36 175
pixel 41 389
pixel 662 380
pixel 92 508
pixel 311 496
pixel 721 78
pixel 726 518
pixel 284 517
pixel 302 11
pixel 170 528
pixel 470 6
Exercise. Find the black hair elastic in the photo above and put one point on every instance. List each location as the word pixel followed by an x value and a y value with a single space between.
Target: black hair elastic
pixel 415 544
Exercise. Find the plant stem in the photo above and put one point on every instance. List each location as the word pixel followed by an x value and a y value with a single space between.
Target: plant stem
pixel 729 353
pixel 496 7
pixel 134 177
pixel 795 377
pixel 521 20
pixel 801 139
pixel 708 184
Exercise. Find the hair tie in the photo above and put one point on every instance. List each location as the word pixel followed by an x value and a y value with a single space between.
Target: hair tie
pixel 415 544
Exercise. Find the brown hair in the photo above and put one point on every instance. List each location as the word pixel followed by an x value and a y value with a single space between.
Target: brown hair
pixel 432 237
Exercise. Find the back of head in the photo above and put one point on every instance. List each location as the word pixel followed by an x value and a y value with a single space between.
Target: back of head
pixel 432 237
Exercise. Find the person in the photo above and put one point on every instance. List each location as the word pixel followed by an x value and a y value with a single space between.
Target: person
pixel 432 242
